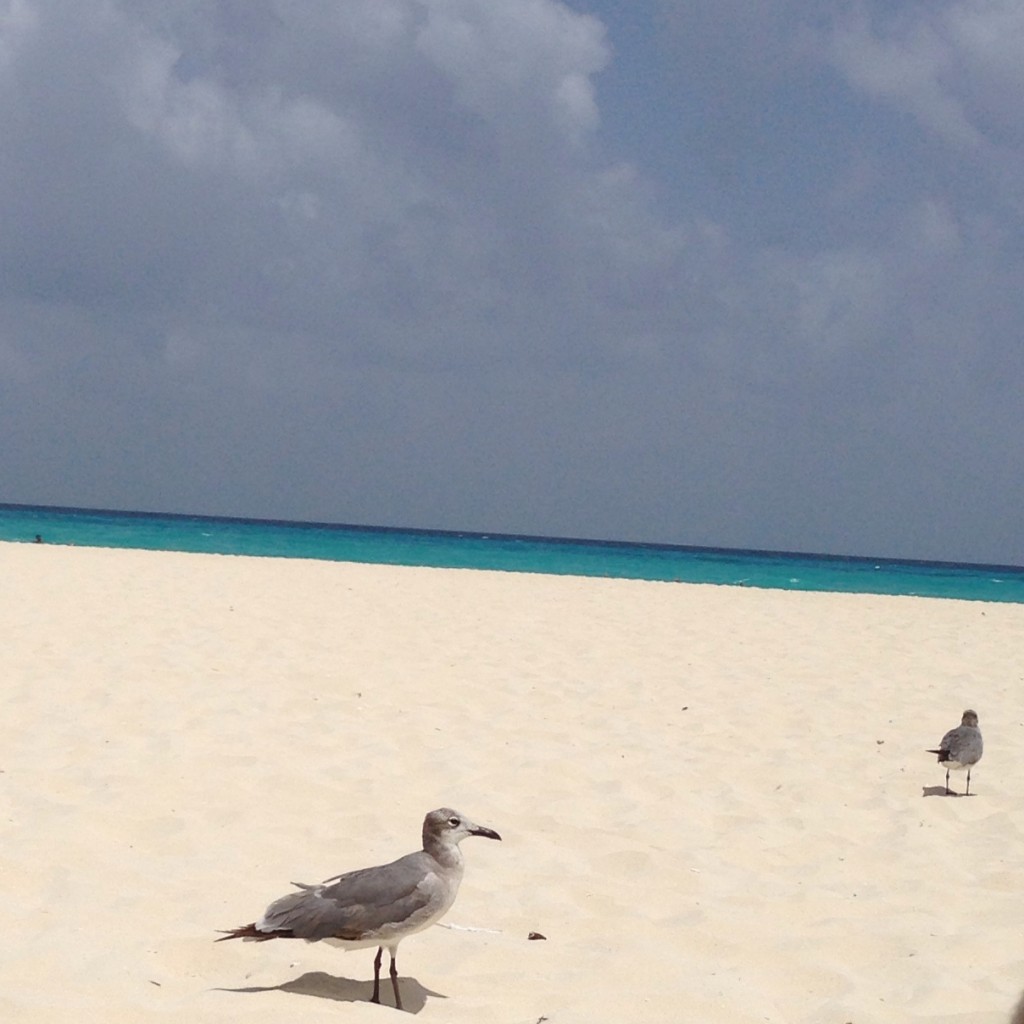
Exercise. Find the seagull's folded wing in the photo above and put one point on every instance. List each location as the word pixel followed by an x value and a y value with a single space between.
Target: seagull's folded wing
pixel 359 904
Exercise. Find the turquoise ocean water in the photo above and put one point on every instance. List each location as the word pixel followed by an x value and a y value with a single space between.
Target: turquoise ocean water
pixel 266 538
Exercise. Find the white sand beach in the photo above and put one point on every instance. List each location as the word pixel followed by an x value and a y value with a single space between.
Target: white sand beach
pixel 715 802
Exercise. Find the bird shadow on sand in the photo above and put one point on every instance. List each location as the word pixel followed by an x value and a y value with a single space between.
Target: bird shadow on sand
pixel 346 990
pixel 1018 1013
pixel 941 791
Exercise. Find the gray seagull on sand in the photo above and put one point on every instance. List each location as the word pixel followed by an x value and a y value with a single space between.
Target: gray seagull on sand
pixel 961 747
pixel 375 906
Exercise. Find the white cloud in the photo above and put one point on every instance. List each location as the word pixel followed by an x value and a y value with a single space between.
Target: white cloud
pixel 906 63
pixel 530 60
pixel 955 66
pixel 364 164
pixel 17 21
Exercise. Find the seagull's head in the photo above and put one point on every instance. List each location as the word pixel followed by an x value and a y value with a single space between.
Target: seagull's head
pixel 449 828
pixel 970 718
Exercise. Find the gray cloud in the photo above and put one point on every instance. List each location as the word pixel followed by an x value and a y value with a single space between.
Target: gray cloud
pixel 388 261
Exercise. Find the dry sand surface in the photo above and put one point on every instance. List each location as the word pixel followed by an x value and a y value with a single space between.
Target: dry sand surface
pixel 715 802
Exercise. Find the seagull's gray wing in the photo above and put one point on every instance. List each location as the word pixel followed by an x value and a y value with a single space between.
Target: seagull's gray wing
pixel 961 746
pixel 360 903
pixel 950 740
pixel 963 742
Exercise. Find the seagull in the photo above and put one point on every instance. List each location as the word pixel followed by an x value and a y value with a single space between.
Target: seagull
pixel 961 748
pixel 375 906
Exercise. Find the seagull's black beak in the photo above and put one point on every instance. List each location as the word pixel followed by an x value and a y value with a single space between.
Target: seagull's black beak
pixel 487 833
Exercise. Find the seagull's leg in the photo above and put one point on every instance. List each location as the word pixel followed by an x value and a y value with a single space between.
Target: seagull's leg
pixel 947 782
pixel 968 793
pixel 375 998
pixel 394 979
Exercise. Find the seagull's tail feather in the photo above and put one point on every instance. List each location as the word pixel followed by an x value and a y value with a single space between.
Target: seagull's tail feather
pixel 943 754
pixel 250 932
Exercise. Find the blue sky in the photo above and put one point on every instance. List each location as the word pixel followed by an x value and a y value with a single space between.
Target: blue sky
pixel 699 273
